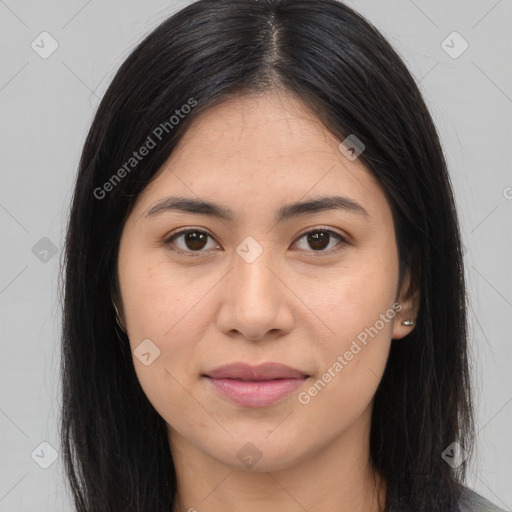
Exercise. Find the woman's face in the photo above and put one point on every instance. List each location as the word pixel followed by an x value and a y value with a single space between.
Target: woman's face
pixel 314 289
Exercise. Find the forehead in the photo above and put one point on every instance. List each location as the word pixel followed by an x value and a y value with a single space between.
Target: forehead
pixel 265 149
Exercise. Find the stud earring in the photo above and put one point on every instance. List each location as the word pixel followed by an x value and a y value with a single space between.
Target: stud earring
pixel 407 322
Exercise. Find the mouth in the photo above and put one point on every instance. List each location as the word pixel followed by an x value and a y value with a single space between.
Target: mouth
pixel 255 393
pixel 255 386
pixel 264 371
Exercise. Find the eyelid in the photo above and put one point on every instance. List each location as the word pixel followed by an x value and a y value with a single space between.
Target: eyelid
pixel 343 240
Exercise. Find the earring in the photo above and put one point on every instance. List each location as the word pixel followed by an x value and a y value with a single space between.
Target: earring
pixel 407 322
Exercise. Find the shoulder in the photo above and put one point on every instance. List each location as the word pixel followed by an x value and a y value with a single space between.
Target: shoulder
pixel 470 501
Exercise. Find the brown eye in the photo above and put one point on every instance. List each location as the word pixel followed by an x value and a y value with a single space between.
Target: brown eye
pixel 196 241
pixel 192 240
pixel 320 239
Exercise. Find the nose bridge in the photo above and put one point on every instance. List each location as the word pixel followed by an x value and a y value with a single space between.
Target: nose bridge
pixel 254 278
pixel 254 300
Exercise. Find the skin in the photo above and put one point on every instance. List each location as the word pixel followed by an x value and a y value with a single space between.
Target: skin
pixel 292 305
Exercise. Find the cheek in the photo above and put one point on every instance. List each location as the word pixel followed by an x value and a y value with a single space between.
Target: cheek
pixel 156 297
pixel 165 307
pixel 353 299
pixel 352 360
pixel 158 308
pixel 357 307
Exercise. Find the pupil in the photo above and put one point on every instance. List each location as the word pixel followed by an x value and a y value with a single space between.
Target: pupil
pixel 195 240
pixel 317 240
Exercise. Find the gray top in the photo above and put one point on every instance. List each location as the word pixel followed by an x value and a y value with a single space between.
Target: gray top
pixel 470 501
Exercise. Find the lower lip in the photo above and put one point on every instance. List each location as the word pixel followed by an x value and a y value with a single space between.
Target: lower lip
pixel 255 393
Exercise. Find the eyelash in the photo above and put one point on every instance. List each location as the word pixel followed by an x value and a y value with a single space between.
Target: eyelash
pixel 317 254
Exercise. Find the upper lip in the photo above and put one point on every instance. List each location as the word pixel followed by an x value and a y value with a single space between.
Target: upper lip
pixel 265 371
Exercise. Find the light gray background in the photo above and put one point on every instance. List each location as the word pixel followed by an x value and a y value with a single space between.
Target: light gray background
pixel 46 108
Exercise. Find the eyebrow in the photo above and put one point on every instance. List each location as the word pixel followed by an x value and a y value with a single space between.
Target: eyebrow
pixel 202 207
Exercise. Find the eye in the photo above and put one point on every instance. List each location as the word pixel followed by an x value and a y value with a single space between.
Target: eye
pixel 195 240
pixel 320 238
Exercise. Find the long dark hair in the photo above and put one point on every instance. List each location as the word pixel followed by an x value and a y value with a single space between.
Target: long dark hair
pixel 114 443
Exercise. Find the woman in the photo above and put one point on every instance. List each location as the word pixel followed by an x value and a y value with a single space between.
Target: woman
pixel 265 298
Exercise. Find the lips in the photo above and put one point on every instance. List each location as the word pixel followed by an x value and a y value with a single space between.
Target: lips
pixel 265 371
pixel 255 386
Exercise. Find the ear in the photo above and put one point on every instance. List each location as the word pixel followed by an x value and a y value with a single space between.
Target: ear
pixel 409 298
pixel 118 307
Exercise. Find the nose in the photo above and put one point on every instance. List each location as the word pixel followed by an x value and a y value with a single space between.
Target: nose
pixel 256 302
